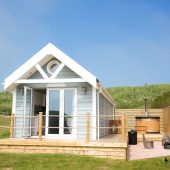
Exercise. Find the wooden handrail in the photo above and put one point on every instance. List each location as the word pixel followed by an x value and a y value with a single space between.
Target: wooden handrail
pixel 40 126
pixel 12 126
pixel 87 127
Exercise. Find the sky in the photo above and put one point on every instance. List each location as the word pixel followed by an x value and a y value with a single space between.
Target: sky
pixel 121 42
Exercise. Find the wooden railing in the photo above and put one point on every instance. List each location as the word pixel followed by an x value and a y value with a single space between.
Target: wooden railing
pixel 88 126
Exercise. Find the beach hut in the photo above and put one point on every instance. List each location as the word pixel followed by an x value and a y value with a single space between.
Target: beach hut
pixel 54 85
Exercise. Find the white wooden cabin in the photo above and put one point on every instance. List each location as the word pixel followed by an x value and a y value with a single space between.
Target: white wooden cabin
pixel 53 83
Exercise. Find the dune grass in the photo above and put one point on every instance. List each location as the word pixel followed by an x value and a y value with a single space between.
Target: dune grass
pixel 72 162
pixel 133 97
pixel 4 121
pixel 5 102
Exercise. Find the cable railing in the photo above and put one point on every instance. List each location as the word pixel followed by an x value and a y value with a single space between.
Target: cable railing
pixel 105 125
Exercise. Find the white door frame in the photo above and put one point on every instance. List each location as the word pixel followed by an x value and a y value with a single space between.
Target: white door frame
pixel 61 118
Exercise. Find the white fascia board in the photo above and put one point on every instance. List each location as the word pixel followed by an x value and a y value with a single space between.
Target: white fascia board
pixel 26 66
pixel 105 93
pixel 74 66
pixel 71 80
pixel 54 51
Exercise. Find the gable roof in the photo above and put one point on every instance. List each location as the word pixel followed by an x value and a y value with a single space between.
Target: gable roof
pixel 49 49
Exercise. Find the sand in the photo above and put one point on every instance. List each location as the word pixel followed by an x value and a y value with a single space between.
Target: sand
pixel 139 152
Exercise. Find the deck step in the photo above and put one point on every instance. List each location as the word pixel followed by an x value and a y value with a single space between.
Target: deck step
pixel 150 137
pixel 97 149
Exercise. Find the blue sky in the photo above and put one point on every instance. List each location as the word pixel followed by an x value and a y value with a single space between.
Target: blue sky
pixel 122 42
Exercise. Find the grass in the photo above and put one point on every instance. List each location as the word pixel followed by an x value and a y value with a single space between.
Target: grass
pixel 72 162
pixel 133 97
pixel 5 102
pixel 4 121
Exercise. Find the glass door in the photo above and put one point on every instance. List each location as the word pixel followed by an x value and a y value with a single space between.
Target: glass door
pixel 54 112
pixel 27 111
pixel 61 107
pixel 69 107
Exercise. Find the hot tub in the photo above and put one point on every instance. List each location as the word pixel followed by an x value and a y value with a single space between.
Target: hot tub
pixel 148 124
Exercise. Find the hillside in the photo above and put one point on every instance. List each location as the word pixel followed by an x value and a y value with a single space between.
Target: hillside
pixel 5 102
pixel 133 97
pixel 126 97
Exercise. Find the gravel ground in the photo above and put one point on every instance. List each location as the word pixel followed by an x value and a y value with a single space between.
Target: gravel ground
pixel 139 152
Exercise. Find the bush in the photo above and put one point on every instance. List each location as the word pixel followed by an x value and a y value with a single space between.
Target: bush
pixel 5 102
pixel 133 97
pixel 161 101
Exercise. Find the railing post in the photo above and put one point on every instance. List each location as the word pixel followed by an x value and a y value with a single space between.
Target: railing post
pixel 168 119
pixel 87 127
pixel 164 121
pixel 12 126
pixel 123 128
pixel 40 126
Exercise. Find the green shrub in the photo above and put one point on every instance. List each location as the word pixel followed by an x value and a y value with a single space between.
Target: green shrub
pixel 133 97
pixel 5 102
pixel 161 101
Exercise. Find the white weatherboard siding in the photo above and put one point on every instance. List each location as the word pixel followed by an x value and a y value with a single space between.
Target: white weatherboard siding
pixel 105 113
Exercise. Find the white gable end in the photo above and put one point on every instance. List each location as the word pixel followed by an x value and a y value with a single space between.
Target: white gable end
pixel 32 64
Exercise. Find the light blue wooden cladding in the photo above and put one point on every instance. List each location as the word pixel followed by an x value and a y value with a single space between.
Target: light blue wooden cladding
pixel 105 112
pixel 84 105
pixel 27 112
pixel 18 121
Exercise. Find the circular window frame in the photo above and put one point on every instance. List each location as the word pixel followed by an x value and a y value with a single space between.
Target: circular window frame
pixel 50 64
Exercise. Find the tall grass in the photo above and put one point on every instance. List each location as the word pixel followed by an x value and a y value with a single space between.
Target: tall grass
pixel 133 97
pixel 5 102
pixel 4 121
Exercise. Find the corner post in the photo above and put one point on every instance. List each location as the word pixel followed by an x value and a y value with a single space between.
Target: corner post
pixel 12 126
pixel 123 128
pixel 40 126
pixel 87 127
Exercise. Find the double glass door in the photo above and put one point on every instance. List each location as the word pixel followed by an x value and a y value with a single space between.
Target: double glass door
pixel 61 107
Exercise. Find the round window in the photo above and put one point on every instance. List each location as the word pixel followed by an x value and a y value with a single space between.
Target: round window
pixel 52 66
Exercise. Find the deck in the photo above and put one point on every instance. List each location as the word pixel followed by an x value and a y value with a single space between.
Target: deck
pixel 109 146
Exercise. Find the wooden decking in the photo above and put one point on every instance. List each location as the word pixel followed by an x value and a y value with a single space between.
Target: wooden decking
pixel 151 137
pixel 109 146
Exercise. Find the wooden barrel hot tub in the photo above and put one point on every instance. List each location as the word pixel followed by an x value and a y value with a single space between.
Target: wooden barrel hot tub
pixel 148 124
